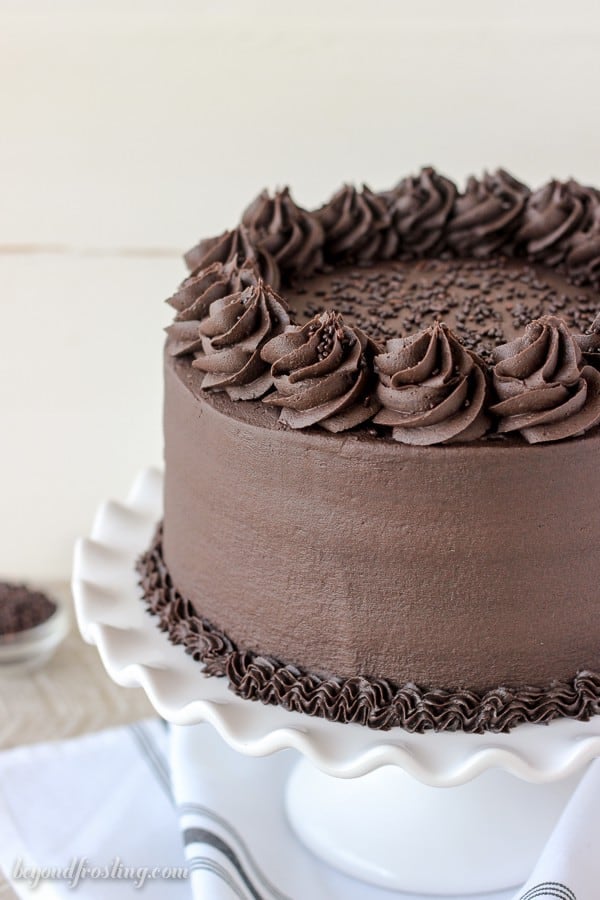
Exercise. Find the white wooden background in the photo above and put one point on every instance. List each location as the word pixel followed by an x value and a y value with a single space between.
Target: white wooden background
pixel 127 129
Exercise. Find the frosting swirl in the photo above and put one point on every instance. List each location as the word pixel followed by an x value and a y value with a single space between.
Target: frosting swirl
pixel 420 206
pixel 583 261
pixel 232 336
pixel 552 215
pixel 487 214
pixel 589 344
pixel 234 246
pixel 322 374
pixel 288 233
pixel 194 297
pixel 357 226
pixel 544 390
pixel 432 389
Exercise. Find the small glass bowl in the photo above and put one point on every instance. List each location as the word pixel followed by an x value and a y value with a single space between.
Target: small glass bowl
pixel 31 648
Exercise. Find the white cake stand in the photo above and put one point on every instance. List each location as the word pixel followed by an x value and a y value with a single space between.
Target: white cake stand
pixel 368 802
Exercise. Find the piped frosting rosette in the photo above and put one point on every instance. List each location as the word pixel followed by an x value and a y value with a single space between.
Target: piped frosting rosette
pixel 583 261
pixel 431 388
pixel 420 206
pixel 357 226
pixel 589 344
pixel 292 236
pixel 322 374
pixel 487 214
pixel 234 247
pixel 193 298
pixel 231 338
pixel 545 390
pixel 553 216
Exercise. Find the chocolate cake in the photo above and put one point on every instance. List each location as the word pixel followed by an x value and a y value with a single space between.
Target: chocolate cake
pixel 381 446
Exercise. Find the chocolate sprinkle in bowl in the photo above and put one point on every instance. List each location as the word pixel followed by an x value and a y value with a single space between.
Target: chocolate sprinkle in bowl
pixel 32 625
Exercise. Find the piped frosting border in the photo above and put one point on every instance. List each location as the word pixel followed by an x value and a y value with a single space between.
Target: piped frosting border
pixel 377 703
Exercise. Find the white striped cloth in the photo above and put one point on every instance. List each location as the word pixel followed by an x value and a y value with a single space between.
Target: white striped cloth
pixel 239 845
pixel 114 796
pixel 96 800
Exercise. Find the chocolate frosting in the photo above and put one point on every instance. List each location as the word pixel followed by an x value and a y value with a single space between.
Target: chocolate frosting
pixel 322 374
pixel 589 344
pixel 545 391
pixel 357 226
pixel 487 214
pixel 583 261
pixel 231 337
pixel 431 388
pixel 194 297
pixel 286 232
pixel 432 628
pixel 234 246
pixel 551 219
pixel 378 703
pixel 366 558
pixel 559 224
pixel 420 206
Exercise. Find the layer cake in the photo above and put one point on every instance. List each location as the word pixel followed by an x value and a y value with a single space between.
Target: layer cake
pixel 381 442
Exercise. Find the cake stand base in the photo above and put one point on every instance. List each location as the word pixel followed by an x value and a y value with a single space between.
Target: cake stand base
pixel 390 830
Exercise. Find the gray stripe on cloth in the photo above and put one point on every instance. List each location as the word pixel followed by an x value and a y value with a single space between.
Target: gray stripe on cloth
pixel 550 889
pixel 210 839
pixel 205 864
pixel 155 759
pixel 199 810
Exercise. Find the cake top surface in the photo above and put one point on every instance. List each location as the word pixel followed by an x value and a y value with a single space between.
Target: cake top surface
pixel 421 313
pixel 485 302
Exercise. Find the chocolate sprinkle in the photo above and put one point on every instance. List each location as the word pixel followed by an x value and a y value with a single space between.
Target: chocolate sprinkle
pixel 22 608
pixel 486 302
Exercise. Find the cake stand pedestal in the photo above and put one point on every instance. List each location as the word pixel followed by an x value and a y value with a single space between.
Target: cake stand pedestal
pixel 438 813
pixel 391 830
